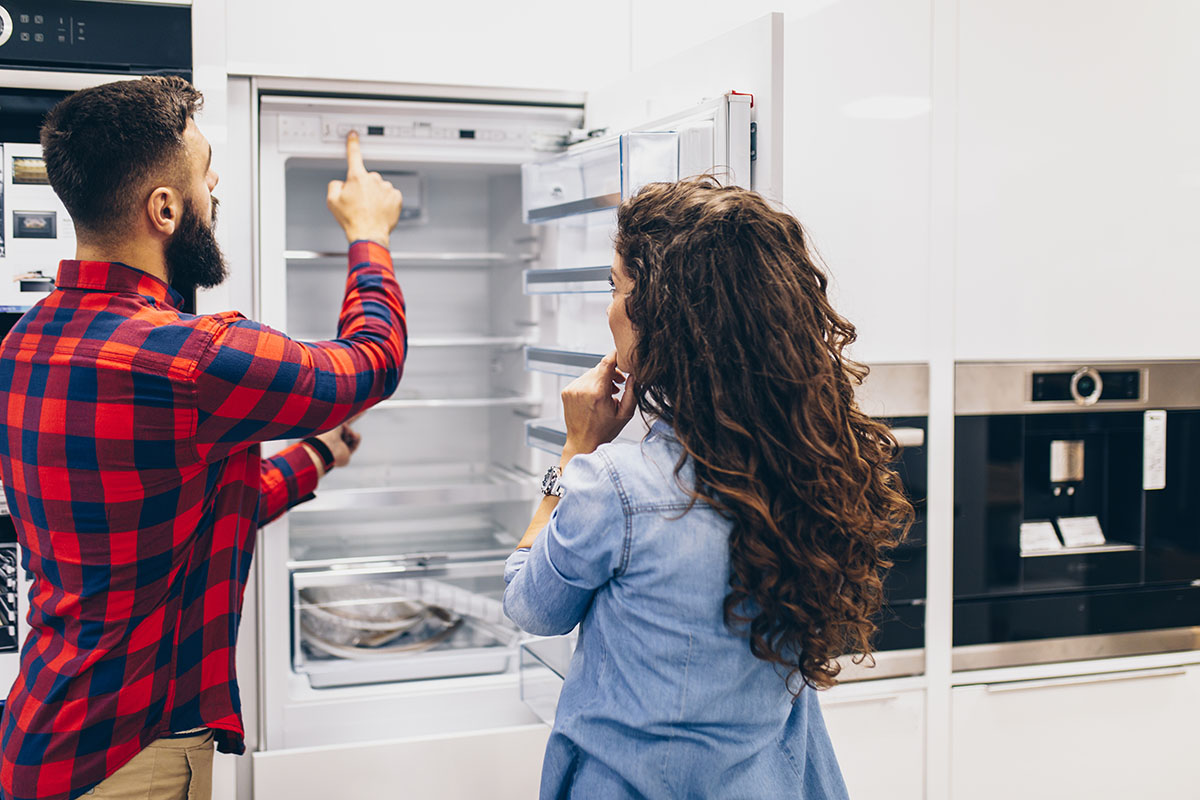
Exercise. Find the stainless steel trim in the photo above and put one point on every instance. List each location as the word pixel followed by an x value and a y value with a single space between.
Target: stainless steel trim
pixel 895 390
pixel 1006 388
pixel 1076 551
pixel 909 437
pixel 888 664
pixel 584 205
pixel 1084 680
pixel 1075 648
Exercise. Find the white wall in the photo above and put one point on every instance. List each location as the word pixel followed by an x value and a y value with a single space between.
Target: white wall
pixel 551 44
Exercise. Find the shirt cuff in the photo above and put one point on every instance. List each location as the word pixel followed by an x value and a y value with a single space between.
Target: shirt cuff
pixel 514 563
pixel 304 473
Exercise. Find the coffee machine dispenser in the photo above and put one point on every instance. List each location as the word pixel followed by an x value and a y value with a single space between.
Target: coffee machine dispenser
pixel 1077 511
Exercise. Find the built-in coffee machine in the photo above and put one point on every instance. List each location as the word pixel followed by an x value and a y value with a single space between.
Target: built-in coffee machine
pixel 898 394
pixel 1077 511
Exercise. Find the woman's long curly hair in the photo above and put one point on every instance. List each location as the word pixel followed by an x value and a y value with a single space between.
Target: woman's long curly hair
pixel 740 351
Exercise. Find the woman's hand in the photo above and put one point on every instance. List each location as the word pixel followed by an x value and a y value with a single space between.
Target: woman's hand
pixel 592 412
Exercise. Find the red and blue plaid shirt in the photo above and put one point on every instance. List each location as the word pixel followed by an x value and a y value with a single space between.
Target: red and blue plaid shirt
pixel 129 450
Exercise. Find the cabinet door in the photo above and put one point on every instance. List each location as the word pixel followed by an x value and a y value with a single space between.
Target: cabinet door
pixel 1078 179
pixel 879 739
pixel 1112 736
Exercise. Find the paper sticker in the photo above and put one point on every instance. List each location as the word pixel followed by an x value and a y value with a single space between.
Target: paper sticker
pixel 1154 451
pixel 1081 531
pixel 1039 537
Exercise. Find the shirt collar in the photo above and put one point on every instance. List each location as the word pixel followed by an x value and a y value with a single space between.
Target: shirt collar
pixel 113 276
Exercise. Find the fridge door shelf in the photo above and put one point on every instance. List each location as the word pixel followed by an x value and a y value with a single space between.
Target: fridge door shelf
pixel 419 485
pixel 596 176
pixel 369 622
pixel 569 363
pixel 543 668
pixel 570 280
pixel 408 259
pixel 549 435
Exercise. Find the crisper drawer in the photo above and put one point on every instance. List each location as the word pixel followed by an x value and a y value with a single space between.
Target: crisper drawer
pixel 380 620
pixel 597 176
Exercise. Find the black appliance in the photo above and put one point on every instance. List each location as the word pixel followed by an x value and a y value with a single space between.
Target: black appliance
pixel 1077 511
pixel 898 394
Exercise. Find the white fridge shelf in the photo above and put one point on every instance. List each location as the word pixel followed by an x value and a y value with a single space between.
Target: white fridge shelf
pixel 409 259
pixel 415 401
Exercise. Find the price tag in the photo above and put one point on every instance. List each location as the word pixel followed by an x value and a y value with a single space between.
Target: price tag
pixel 1154 451
pixel 1039 537
pixel 1081 531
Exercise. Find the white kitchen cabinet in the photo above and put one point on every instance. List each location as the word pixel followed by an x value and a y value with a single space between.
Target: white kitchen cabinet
pixel 1107 736
pixel 1078 179
pixel 878 733
pixel 539 44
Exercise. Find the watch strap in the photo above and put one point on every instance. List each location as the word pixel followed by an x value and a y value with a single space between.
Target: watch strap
pixel 322 450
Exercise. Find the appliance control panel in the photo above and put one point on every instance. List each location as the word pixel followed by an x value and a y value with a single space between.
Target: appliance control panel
pixel 35 230
pixel 299 132
pixel 96 36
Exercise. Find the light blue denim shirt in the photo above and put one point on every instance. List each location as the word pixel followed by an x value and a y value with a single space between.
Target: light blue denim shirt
pixel 661 700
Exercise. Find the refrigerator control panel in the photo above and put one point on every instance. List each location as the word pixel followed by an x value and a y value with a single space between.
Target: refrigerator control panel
pixel 298 132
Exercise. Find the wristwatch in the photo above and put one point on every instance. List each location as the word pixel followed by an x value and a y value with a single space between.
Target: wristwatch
pixel 550 484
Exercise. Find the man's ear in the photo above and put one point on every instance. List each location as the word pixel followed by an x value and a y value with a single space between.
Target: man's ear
pixel 164 209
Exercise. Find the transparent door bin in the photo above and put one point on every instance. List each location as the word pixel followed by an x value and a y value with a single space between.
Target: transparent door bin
pixel 568 363
pixel 544 664
pixel 597 176
pixel 550 435
pixel 573 280
pixel 374 623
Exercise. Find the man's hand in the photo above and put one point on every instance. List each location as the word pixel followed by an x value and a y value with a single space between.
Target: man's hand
pixel 591 410
pixel 365 205
pixel 342 441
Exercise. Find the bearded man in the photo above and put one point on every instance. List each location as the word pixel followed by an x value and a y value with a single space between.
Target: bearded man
pixel 130 448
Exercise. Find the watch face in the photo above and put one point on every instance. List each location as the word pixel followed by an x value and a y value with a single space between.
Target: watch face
pixel 550 482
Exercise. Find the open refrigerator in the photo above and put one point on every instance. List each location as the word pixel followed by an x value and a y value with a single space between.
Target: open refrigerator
pixel 379 613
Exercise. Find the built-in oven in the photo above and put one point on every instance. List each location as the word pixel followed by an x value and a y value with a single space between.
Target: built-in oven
pixel 48 49
pixel 1077 511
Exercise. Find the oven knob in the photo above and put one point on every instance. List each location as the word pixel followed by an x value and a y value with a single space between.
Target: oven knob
pixel 1086 386
pixel 6 25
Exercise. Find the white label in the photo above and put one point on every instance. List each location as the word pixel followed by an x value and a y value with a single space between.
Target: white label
pixel 1154 451
pixel 1039 537
pixel 1081 531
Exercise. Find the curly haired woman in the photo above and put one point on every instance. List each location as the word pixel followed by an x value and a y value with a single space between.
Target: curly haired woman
pixel 719 567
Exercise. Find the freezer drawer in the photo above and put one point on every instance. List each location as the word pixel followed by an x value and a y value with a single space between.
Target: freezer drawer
pixel 406 618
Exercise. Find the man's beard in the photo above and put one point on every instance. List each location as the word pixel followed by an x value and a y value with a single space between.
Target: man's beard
pixel 194 259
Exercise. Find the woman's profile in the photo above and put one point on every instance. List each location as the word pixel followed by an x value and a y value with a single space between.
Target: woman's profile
pixel 718 567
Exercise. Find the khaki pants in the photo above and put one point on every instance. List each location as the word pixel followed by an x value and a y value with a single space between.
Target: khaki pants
pixel 168 769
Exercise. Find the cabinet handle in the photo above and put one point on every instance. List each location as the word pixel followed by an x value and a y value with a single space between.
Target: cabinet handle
pixel 1084 680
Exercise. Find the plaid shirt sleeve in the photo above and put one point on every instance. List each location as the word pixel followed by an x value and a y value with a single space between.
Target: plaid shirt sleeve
pixel 256 384
pixel 288 479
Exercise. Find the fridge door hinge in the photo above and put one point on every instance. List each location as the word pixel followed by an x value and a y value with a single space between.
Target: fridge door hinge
pixel 753 142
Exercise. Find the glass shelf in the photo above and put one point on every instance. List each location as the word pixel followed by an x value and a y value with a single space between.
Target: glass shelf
pixel 597 176
pixel 543 666
pixel 414 400
pixel 408 259
pixel 572 280
pixel 570 363
pixel 445 342
pixel 433 484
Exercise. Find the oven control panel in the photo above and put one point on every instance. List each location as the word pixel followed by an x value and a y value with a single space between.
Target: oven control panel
pixel 102 36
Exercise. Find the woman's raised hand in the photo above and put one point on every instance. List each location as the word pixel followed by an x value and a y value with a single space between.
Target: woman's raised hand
pixel 593 414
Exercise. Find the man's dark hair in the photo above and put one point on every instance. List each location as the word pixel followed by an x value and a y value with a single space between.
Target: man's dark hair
pixel 103 145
